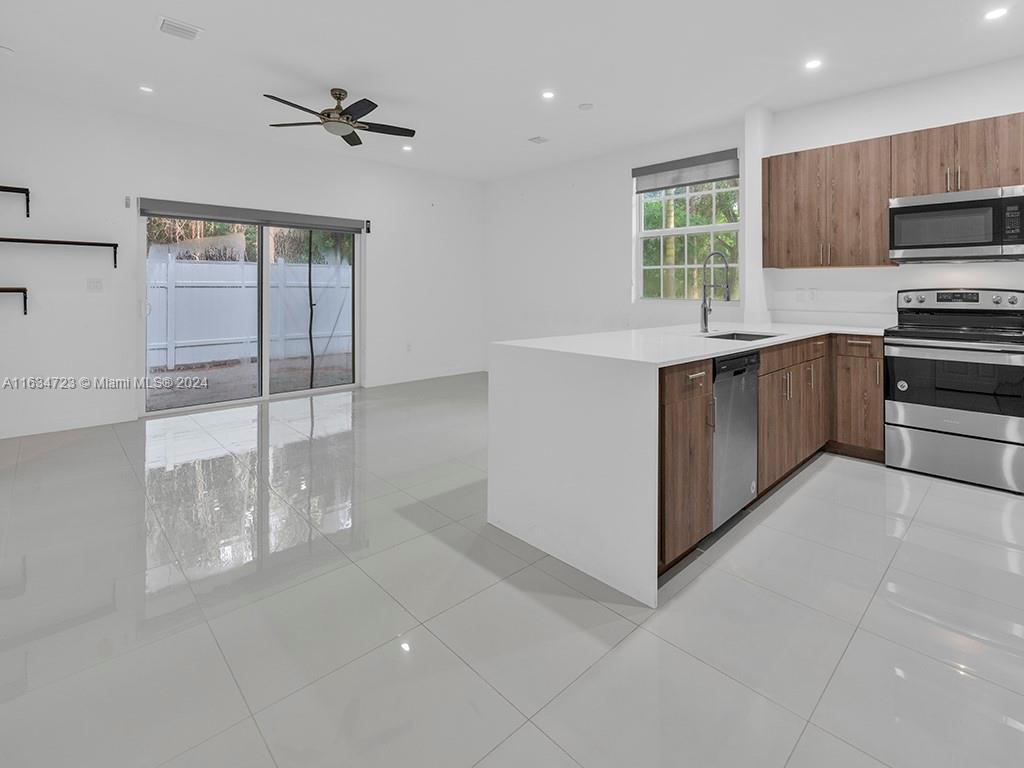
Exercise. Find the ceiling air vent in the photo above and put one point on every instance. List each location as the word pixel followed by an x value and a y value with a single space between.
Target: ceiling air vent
pixel 181 29
pixel 538 139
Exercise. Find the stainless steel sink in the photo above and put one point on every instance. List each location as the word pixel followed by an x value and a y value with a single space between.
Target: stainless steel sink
pixel 741 336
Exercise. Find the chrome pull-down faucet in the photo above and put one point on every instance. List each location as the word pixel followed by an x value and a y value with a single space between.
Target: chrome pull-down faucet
pixel 705 304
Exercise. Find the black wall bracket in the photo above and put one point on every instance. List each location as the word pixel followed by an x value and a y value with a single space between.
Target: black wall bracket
pixel 18 191
pixel 33 241
pixel 24 296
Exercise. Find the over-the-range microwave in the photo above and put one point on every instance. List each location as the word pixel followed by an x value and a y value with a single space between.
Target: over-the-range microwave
pixel 977 225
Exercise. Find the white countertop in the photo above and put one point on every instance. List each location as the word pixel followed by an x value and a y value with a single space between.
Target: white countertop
pixel 674 344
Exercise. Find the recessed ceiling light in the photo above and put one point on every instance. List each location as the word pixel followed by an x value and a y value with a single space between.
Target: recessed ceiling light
pixel 548 95
pixel 407 148
pixel 145 89
pixel 812 64
pixel 585 106
pixel 995 13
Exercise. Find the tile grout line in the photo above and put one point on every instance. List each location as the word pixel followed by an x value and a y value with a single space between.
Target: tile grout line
pixel 849 642
pixel 234 678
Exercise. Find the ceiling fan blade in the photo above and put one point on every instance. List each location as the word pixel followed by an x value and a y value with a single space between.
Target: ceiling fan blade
pixel 352 139
pixel 358 109
pixel 292 104
pixel 392 130
pixel 289 125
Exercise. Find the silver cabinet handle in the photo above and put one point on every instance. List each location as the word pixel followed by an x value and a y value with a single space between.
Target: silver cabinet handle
pixel 811 369
pixel 819 343
pixel 858 342
pixel 878 372
pixel 947 178
pixel 821 253
pixel 830 254
pixel 958 178
pixel 697 375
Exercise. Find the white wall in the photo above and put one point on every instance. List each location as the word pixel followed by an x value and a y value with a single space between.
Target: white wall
pixel 866 296
pixel 559 246
pixel 425 243
pixel 559 241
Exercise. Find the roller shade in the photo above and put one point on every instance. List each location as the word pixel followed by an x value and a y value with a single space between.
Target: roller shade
pixel 179 210
pixel 714 166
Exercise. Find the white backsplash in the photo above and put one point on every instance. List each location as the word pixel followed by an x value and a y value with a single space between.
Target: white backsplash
pixel 866 295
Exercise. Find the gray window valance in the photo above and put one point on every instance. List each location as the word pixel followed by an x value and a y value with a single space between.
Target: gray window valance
pixel 179 210
pixel 714 166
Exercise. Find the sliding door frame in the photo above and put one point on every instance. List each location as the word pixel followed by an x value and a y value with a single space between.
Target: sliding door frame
pixel 263 302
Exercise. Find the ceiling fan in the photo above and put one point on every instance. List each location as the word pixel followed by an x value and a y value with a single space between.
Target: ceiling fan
pixel 344 121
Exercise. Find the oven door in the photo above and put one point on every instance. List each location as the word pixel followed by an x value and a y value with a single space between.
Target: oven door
pixel 973 389
pixel 950 226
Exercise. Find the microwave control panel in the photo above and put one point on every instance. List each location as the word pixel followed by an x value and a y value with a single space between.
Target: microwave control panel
pixel 1011 220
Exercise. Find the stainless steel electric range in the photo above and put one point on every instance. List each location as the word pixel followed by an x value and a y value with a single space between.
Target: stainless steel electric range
pixel 954 386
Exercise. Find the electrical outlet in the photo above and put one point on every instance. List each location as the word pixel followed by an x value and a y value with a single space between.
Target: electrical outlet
pixel 94 285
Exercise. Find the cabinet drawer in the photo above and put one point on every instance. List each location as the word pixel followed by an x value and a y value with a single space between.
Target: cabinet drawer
pixel 858 346
pixel 681 382
pixel 796 352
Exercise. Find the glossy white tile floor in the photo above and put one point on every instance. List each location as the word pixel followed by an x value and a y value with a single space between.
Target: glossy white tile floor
pixel 313 583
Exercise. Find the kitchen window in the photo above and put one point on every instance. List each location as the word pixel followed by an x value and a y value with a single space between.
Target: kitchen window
pixel 679 225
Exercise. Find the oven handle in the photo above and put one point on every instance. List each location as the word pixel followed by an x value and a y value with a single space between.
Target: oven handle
pixel 956 355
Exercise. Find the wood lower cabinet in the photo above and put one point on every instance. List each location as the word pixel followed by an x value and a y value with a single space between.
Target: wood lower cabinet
pixel 686 450
pixel 815 402
pixel 794 413
pixel 859 402
pixel 778 425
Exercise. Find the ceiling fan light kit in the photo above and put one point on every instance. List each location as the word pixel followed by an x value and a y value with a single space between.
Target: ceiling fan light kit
pixel 342 121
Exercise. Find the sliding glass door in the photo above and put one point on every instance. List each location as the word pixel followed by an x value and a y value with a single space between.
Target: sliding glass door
pixel 311 308
pixel 202 304
pixel 238 309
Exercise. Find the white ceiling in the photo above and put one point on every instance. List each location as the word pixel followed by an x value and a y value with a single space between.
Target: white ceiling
pixel 467 74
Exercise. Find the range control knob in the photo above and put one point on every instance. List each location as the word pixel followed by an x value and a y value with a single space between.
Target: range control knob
pixel 1013 299
pixel 920 298
pixel 907 298
pixel 997 299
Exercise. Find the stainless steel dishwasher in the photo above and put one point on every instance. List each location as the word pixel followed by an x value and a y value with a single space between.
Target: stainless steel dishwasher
pixel 735 451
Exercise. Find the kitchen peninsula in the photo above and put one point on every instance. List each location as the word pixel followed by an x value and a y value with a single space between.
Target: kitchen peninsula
pixel 600 444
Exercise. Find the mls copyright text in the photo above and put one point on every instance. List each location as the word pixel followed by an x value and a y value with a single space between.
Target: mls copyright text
pixel 9 383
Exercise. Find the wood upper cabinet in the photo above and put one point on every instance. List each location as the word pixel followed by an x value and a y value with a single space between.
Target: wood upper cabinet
pixel 989 153
pixel 797 208
pixel 829 206
pixel 858 208
pixel 923 162
pixel 972 155
pixel 858 404
pixel 686 449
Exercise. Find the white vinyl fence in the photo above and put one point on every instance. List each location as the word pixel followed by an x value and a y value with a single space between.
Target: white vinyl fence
pixel 207 311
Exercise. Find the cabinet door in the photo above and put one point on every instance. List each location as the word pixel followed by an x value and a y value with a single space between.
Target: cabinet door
pixel 813 407
pixel 858 210
pixel 797 208
pixel 922 161
pixel 686 450
pixel 777 440
pixel 859 401
pixel 988 152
